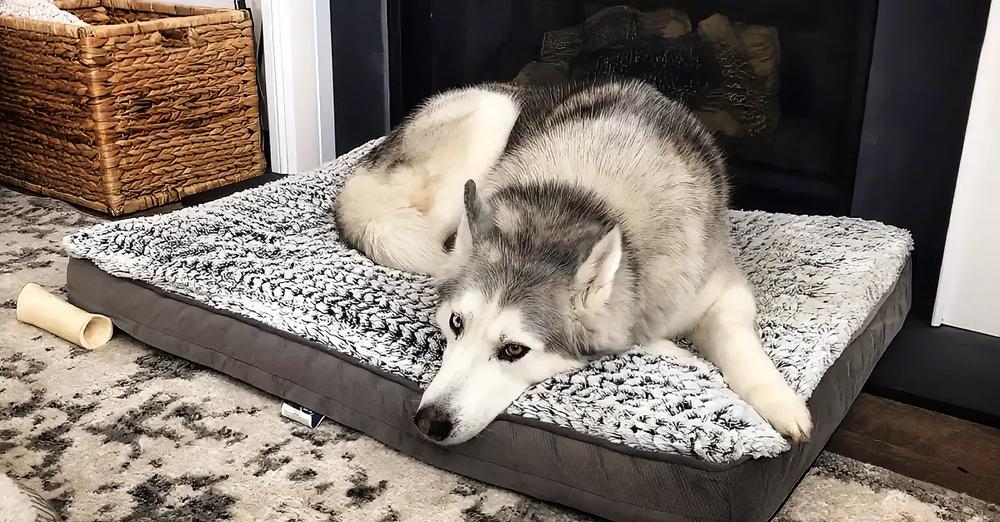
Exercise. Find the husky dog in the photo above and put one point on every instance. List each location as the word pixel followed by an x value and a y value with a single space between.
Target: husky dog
pixel 563 224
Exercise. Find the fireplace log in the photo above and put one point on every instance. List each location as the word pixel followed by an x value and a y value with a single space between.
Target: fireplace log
pixel 719 120
pixel 741 107
pixel 610 27
pixel 542 73
pixel 718 30
pixel 561 45
pixel 665 23
pixel 683 68
pixel 746 104
pixel 727 73
pixel 759 44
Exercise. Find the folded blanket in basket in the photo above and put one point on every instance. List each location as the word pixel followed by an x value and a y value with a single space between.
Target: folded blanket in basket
pixel 40 10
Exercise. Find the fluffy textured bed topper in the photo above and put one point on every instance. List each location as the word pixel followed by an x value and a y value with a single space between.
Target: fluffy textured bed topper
pixel 271 254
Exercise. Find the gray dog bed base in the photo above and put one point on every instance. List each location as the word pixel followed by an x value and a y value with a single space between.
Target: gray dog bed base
pixel 539 459
pixel 256 285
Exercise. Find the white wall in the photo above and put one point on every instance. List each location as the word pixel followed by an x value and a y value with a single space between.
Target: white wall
pixel 969 289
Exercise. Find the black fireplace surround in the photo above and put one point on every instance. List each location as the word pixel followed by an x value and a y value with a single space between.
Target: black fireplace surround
pixel 845 107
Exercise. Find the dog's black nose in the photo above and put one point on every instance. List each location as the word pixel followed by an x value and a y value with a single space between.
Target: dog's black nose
pixel 433 422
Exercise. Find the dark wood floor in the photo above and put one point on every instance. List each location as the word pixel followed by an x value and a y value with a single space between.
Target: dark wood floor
pixel 922 444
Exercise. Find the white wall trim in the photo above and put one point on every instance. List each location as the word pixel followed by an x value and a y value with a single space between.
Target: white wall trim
pixel 969 286
pixel 298 58
pixel 385 59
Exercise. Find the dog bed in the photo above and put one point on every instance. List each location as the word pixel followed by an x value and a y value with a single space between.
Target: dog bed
pixel 257 286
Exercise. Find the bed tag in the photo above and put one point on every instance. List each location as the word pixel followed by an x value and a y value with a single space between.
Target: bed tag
pixel 301 415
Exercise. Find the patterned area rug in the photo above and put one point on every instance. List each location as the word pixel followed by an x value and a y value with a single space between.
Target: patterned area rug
pixel 126 433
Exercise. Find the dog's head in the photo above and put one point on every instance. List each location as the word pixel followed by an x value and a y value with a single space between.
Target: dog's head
pixel 517 311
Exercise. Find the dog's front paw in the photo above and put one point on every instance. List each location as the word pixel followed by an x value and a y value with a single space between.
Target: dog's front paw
pixel 786 411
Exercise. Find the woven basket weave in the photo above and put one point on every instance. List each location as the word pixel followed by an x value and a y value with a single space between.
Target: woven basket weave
pixel 150 103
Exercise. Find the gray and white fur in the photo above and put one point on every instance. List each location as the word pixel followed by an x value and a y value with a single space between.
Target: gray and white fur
pixel 594 220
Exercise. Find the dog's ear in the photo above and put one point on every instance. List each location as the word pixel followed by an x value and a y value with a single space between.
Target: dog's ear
pixel 596 275
pixel 478 213
pixel 463 240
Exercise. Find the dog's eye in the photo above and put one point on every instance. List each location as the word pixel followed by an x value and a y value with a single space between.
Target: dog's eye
pixel 455 322
pixel 512 351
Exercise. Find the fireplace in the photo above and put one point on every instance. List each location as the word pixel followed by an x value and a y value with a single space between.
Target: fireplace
pixel 845 107
pixel 781 84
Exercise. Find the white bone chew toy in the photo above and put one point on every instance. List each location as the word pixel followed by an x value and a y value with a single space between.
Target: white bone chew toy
pixel 38 307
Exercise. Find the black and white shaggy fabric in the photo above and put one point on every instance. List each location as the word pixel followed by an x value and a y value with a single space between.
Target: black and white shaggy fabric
pixel 272 254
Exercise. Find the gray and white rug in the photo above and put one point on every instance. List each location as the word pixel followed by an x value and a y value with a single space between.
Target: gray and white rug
pixel 126 433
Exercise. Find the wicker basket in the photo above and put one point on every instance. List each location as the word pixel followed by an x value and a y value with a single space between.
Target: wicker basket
pixel 150 103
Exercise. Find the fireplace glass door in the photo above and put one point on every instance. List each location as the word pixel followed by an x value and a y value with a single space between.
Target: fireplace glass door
pixel 780 83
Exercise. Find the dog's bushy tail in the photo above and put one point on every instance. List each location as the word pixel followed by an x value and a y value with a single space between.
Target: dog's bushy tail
pixel 377 219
